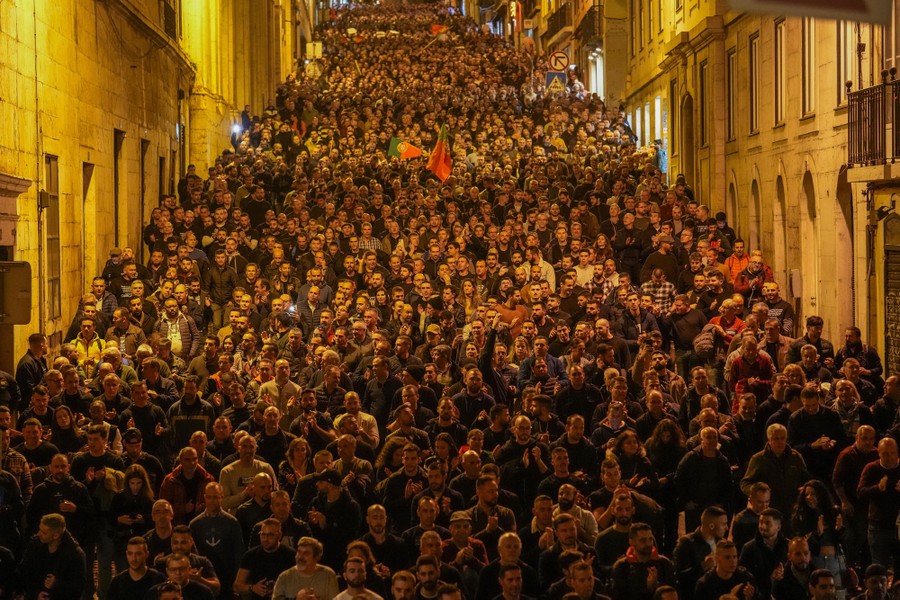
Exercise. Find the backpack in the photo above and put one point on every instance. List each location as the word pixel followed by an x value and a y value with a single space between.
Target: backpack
pixel 705 342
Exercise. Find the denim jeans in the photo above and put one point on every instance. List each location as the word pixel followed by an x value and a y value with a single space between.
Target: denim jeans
pixel 884 546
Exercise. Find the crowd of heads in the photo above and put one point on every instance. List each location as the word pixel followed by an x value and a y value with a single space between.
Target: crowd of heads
pixel 513 381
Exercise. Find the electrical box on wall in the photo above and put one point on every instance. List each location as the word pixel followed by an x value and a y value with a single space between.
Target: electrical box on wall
pixel 796 283
pixel 7 231
pixel 15 293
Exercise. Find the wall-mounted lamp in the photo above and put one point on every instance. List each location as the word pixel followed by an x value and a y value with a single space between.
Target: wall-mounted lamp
pixel 882 212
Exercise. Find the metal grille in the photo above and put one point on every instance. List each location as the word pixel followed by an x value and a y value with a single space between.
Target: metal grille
pixel 170 20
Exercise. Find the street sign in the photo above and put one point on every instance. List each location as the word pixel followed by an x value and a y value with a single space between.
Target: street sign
pixel 556 82
pixel 527 23
pixel 313 49
pixel 313 71
pixel 559 61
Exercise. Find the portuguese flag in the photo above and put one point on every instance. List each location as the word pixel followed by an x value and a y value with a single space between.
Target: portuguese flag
pixel 441 163
pixel 438 29
pixel 401 149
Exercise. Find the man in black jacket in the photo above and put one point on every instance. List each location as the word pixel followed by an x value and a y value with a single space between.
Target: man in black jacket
pixel 693 554
pixel 642 571
pixel 766 552
pixel 816 432
pixel 791 579
pixel 60 493
pixel 31 367
pixel 726 577
pixel 334 516
pixel 503 392
pixel 53 565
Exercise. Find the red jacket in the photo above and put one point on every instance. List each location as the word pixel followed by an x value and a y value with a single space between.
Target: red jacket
pixel 744 283
pixel 761 369
pixel 173 490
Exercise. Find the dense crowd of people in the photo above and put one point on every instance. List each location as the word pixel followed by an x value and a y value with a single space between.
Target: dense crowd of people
pixel 553 374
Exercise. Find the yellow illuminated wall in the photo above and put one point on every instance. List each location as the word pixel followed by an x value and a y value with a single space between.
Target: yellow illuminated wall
pixel 119 98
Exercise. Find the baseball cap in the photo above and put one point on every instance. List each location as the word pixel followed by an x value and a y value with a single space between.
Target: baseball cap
pixel 876 570
pixel 433 328
pixel 415 371
pixel 460 515
pixel 115 252
pixel 132 436
pixel 329 475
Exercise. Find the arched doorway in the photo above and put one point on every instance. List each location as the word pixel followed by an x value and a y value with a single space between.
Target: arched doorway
pixel 776 255
pixel 843 241
pixel 731 205
pixel 809 257
pixel 752 227
pixel 687 140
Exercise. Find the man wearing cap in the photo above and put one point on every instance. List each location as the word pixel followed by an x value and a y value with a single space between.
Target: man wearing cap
pixel 724 228
pixel 113 266
pixel 875 583
pixel 661 259
pixel 334 517
pixel 432 340
pixel 132 442
pixel 467 554
pixel 404 424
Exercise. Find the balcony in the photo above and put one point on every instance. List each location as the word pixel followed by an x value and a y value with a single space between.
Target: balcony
pixel 530 8
pixel 558 21
pixel 873 138
pixel 588 30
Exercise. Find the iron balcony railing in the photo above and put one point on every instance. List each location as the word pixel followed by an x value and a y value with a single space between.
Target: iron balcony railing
pixel 588 30
pixel 558 20
pixel 873 118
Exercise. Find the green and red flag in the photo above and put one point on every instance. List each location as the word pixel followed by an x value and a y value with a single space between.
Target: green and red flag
pixel 438 29
pixel 401 149
pixel 441 163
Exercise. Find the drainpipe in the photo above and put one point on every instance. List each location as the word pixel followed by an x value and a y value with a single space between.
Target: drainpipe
pixel 38 163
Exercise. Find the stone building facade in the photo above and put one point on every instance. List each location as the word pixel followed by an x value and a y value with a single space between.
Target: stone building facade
pixel 105 102
pixel 753 110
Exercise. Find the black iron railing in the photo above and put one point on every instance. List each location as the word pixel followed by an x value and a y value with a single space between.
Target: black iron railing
pixel 588 30
pixel 529 7
pixel 873 117
pixel 558 20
